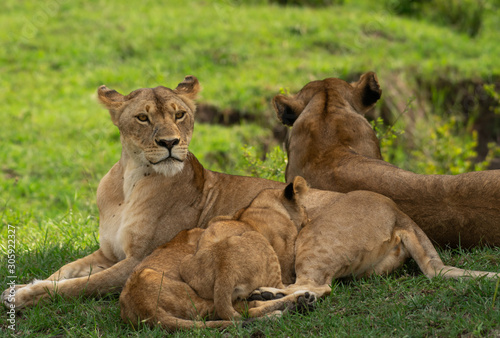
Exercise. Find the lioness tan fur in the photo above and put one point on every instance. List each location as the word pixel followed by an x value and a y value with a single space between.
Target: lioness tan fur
pixel 201 274
pixel 334 148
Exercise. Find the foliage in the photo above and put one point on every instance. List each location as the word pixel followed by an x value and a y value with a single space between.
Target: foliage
pixel 440 146
pixel 219 147
pixel 490 90
pixel 443 150
pixel 272 167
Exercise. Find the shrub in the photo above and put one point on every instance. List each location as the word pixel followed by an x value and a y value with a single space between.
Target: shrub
pixel 272 167
pixel 437 145
pixel 445 148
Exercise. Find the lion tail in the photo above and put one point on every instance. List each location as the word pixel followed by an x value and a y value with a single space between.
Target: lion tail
pixel 164 319
pixel 423 252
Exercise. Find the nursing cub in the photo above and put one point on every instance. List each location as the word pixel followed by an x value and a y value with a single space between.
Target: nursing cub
pixel 208 274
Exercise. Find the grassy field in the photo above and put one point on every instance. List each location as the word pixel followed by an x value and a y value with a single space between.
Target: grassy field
pixel 57 142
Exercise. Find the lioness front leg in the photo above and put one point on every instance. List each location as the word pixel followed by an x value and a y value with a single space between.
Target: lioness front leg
pixel 105 281
pixel 83 267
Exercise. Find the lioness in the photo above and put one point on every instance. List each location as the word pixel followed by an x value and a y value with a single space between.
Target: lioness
pixel 157 189
pixel 334 148
pixel 202 273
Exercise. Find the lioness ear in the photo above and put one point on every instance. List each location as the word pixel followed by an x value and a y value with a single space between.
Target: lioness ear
pixel 287 109
pixel 296 189
pixel 367 91
pixel 112 100
pixel 189 87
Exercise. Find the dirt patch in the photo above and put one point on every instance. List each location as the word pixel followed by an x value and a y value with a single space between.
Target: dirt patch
pixel 207 113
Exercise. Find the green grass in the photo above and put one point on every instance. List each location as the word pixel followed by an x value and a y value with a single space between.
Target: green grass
pixel 56 142
pixel 402 304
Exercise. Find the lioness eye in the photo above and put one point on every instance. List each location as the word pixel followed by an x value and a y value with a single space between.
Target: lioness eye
pixel 142 117
pixel 179 115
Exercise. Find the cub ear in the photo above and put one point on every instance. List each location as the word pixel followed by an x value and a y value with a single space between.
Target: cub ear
pixel 189 87
pixel 367 91
pixel 287 109
pixel 296 189
pixel 112 100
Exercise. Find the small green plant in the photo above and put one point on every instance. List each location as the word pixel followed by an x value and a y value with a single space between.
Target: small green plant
pixel 272 167
pixel 387 136
pixel 490 90
pixel 445 149
pixel 493 148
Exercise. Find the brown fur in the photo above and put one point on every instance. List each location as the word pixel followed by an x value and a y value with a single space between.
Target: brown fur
pixel 201 274
pixel 334 148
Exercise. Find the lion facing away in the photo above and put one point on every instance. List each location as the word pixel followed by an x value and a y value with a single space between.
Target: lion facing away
pixel 334 148
pixel 208 274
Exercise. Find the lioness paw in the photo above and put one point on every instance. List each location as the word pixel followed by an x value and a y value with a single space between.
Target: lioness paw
pixel 9 295
pixel 20 296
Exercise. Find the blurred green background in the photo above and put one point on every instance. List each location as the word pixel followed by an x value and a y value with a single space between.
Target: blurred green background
pixel 57 142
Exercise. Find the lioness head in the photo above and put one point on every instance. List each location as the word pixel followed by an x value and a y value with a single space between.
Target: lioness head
pixel 156 124
pixel 327 116
pixel 329 94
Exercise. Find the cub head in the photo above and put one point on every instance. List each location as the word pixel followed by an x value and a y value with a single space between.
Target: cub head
pixel 280 205
pixel 329 94
pixel 156 124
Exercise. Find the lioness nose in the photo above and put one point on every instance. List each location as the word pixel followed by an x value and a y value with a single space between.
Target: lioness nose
pixel 169 144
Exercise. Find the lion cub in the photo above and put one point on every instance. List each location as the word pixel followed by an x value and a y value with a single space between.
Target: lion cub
pixel 205 274
pixel 254 248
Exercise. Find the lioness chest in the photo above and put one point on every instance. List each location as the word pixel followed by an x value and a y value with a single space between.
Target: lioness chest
pixel 153 212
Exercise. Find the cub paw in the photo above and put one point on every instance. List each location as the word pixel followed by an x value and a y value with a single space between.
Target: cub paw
pixel 264 294
pixel 306 302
